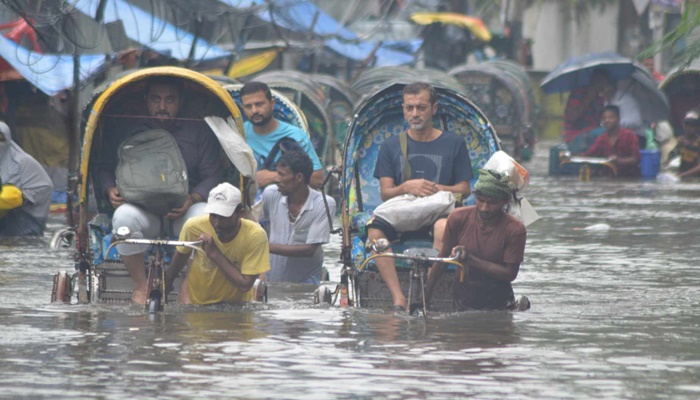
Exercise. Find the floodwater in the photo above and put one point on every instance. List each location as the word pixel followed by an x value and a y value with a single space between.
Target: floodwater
pixel 614 316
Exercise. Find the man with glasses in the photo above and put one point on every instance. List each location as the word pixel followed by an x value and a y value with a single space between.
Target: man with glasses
pixel 163 96
pixel 438 160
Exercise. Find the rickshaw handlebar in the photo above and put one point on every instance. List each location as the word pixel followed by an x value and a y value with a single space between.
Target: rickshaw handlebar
pixel 158 242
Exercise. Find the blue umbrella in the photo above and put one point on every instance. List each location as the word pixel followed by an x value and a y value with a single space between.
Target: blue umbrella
pixel 576 72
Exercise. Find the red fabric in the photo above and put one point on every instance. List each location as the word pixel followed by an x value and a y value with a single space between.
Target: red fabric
pixel 590 118
pixel 658 76
pixel 626 145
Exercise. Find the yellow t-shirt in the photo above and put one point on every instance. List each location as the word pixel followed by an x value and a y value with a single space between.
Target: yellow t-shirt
pixel 249 250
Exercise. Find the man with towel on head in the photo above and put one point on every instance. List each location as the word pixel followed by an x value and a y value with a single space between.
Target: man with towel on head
pixel 492 243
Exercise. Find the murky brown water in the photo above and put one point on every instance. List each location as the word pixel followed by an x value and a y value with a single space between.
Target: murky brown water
pixel 615 315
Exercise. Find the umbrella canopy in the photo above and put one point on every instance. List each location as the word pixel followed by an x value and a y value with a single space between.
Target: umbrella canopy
pixel 652 101
pixel 474 25
pixel 576 72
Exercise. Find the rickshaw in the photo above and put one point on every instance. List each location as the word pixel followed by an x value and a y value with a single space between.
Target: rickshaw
pixel 100 274
pixel 312 101
pixel 285 109
pixel 682 87
pixel 342 102
pixel 504 93
pixel 378 116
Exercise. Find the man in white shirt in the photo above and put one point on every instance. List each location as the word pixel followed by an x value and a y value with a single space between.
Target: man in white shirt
pixel 296 221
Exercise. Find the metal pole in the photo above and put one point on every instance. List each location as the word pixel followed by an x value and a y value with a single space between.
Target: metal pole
pixel 74 138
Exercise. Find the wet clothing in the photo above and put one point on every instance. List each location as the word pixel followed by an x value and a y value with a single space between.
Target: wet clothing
pixel 21 170
pixel 502 243
pixel 690 154
pixel 625 146
pixel 310 227
pixel 263 144
pixel 197 143
pixel 444 160
pixel 590 119
pixel 144 224
pixel 630 112
pixel 249 251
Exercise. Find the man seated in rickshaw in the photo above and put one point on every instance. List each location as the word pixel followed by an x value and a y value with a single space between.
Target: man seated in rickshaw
pixel 492 247
pixel 236 250
pixel 583 111
pixel 618 144
pixel 439 161
pixel 630 111
pixel 689 145
pixel 263 131
pixel 198 147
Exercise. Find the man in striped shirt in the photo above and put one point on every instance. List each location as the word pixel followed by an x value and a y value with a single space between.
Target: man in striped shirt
pixel 297 222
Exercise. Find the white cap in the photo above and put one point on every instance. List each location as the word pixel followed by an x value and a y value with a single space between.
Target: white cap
pixel 223 200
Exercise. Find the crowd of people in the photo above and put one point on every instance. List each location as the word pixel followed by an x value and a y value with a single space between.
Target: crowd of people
pixel 285 242
pixel 605 120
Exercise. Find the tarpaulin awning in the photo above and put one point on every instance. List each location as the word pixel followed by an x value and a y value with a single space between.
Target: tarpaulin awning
pixel 473 24
pixel 152 32
pixel 50 73
pixel 304 16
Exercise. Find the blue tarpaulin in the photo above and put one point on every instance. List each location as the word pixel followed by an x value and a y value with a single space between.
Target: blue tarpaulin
pixel 304 16
pixel 50 73
pixel 147 30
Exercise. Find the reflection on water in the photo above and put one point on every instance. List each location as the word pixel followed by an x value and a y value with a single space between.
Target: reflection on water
pixel 614 316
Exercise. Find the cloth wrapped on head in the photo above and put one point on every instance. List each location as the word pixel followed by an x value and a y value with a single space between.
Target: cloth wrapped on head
pixel 494 185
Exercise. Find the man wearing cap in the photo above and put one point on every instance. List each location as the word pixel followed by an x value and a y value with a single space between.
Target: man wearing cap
pixel 492 243
pixel 236 252
pixel 689 145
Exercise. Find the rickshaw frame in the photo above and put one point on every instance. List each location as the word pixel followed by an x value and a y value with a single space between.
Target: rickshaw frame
pixel 86 283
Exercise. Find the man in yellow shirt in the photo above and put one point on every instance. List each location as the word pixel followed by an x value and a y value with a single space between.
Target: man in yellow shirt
pixel 237 252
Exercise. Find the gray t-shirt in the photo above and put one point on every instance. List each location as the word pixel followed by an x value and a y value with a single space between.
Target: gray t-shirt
pixel 310 227
pixel 444 160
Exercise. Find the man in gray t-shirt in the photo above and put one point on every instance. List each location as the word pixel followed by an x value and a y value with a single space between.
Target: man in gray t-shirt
pixel 296 222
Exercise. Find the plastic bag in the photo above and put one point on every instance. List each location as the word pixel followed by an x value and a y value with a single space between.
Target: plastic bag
pixel 10 198
pixel 237 150
pixel 409 213
pixel 502 163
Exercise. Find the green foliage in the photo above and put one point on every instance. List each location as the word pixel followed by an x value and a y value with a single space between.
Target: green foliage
pixel 690 19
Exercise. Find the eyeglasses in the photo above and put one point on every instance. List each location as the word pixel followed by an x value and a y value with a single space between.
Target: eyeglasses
pixel 420 107
pixel 158 99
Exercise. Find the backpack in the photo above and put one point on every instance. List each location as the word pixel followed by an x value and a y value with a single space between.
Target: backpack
pixel 151 172
pixel 284 145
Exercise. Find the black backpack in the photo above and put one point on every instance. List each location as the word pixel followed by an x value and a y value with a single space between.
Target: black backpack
pixel 151 172
pixel 284 145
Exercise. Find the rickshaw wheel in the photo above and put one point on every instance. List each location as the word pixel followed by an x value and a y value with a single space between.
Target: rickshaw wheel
pixel 153 306
pixel 63 239
pixel 322 295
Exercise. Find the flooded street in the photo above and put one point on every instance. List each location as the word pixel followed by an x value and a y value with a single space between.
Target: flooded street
pixel 611 270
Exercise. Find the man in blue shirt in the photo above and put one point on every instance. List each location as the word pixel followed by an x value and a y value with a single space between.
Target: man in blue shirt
pixel 263 131
pixel 439 161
